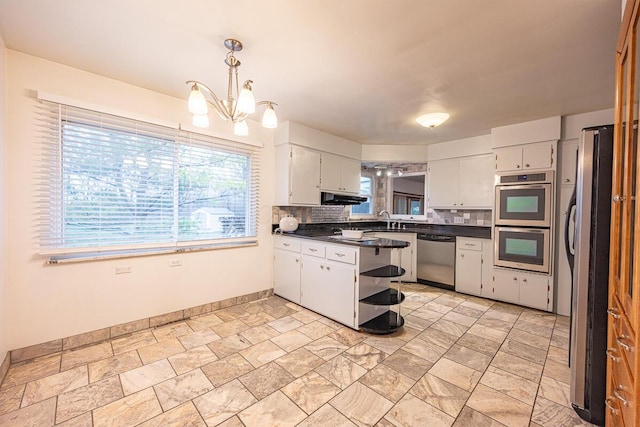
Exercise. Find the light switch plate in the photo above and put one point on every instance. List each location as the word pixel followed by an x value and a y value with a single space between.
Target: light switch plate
pixel 458 220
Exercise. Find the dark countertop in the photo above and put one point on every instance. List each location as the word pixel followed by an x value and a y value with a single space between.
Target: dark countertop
pixel 365 242
pixel 327 229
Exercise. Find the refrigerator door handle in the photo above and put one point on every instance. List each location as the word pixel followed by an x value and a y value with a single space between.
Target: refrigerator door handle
pixel 569 246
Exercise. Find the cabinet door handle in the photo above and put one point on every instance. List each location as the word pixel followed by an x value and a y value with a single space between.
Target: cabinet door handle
pixel 616 393
pixel 517 166
pixel 621 343
pixel 297 260
pixel 461 255
pixel 286 244
pixel 339 254
pixel 524 280
pixel 611 355
pixel 567 180
pixel 613 312
pixel 461 204
pixel 515 279
pixel 618 198
pixel 328 268
pixel 608 403
pixel 313 250
pixel 527 165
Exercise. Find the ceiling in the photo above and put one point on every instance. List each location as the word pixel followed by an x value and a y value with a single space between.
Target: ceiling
pixel 359 69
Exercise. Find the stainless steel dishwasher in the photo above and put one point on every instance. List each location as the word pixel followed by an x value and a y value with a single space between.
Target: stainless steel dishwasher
pixel 436 260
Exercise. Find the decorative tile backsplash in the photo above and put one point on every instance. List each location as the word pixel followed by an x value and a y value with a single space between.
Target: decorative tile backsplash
pixel 311 214
pixel 476 217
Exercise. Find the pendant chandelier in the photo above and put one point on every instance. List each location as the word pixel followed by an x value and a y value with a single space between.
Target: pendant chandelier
pixel 238 104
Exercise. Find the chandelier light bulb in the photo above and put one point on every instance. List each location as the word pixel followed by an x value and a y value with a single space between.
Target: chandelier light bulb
pixel 389 172
pixel 201 120
pixel 197 102
pixel 241 128
pixel 432 120
pixel 378 172
pixel 269 118
pixel 246 101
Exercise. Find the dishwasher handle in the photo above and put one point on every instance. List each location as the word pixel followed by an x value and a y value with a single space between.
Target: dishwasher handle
pixel 436 237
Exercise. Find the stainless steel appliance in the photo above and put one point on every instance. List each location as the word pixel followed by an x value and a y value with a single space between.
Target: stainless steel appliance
pixel 590 270
pixel 436 260
pixel 522 248
pixel 524 200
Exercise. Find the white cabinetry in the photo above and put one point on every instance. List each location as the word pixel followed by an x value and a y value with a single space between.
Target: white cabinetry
pixel 339 174
pixel 539 155
pixel 461 183
pixel 530 290
pixel 408 255
pixel 328 282
pixel 567 174
pixel 286 268
pixel 473 256
pixel 568 162
pixel 297 176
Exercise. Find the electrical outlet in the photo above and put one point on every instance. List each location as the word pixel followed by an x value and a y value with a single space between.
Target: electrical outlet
pixel 175 263
pixel 458 220
pixel 123 269
pixel 480 222
pixel 466 215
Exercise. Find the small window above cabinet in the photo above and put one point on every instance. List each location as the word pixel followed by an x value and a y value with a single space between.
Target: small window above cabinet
pixel 464 183
pixel 539 155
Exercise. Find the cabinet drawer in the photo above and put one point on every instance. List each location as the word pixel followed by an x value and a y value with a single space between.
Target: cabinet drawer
pixel 624 339
pixel 468 244
pixel 622 393
pixel 338 253
pixel 313 249
pixel 292 245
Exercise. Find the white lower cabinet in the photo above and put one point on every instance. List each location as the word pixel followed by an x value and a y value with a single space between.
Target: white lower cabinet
pixel 530 290
pixel 472 258
pixel 286 269
pixel 328 288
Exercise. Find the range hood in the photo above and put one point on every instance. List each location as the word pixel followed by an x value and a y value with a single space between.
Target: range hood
pixel 341 199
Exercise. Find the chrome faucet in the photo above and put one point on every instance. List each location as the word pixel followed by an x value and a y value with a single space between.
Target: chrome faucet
pixel 382 212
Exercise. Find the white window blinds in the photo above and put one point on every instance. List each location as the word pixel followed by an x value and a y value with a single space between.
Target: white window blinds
pixel 110 183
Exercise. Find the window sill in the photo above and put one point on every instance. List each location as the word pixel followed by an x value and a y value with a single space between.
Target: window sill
pixel 114 254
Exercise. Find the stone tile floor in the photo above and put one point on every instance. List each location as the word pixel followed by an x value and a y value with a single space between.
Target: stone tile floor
pixel 459 361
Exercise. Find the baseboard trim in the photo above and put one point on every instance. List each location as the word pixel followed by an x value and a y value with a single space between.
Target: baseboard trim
pixel 94 337
pixel 4 366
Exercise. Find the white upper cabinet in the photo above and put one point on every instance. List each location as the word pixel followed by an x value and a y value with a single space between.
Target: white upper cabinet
pixel 297 176
pixel 443 183
pixel 339 174
pixel 465 183
pixel 568 162
pixel 476 182
pixel 539 155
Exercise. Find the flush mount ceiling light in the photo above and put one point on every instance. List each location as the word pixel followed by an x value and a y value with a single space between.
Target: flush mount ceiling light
pixel 432 120
pixel 238 104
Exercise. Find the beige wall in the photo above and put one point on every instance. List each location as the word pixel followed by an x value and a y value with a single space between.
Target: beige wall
pixel 4 264
pixel 50 302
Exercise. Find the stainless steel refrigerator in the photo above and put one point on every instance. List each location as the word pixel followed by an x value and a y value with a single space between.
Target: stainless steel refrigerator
pixel 589 261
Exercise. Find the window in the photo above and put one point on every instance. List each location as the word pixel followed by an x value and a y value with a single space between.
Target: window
pixel 366 190
pixel 116 184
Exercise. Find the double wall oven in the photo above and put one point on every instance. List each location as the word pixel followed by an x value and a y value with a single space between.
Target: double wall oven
pixel 523 212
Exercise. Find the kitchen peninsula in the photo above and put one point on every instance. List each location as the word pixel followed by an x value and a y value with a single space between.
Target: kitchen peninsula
pixel 347 280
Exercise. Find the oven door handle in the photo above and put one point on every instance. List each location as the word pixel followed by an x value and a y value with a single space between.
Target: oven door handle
pixel 570 246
